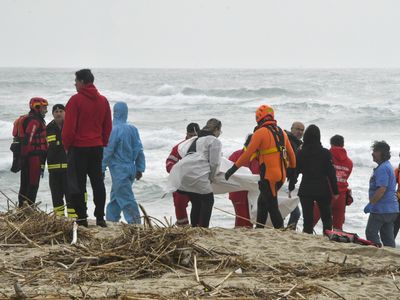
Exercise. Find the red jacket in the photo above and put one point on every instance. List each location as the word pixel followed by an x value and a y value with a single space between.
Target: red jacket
pixel 87 119
pixel 34 136
pixel 254 168
pixel 173 157
pixel 343 166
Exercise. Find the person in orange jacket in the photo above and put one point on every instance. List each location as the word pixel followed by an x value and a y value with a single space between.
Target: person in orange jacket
pixel 239 199
pixel 275 155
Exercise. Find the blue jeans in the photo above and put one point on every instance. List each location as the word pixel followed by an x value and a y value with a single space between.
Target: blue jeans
pixel 380 227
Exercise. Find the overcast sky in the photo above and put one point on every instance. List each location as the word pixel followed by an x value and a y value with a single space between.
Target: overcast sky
pixel 200 34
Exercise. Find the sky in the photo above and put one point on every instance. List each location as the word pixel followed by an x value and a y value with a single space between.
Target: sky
pixel 200 34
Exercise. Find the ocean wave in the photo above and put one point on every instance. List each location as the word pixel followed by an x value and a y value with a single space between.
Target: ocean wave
pixel 6 130
pixel 248 93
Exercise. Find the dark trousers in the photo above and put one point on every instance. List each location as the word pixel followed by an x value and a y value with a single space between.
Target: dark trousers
pixel 268 204
pixel 30 176
pixel 202 205
pixel 397 225
pixel 324 205
pixel 83 162
pixel 59 188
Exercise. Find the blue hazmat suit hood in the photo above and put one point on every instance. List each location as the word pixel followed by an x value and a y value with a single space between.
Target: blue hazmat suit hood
pixel 120 112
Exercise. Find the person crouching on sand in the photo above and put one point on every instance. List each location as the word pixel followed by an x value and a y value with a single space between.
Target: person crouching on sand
pixel 197 170
pixel 275 154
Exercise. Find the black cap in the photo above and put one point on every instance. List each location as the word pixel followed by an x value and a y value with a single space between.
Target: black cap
pixel 193 128
pixel 58 106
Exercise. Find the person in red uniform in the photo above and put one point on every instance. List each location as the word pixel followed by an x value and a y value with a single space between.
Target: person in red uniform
pixel 181 200
pixel 33 150
pixel 275 155
pixel 239 199
pixel 343 167
pixel 87 128
pixel 397 221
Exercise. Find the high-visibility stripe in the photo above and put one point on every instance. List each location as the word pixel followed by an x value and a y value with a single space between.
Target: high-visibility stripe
pixel 57 166
pixel 269 151
pixel 71 210
pixel 51 138
pixel 86 197
pixel 59 210
pixel 72 215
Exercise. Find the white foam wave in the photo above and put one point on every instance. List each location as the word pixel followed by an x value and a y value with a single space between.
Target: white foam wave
pixel 6 130
pixel 166 90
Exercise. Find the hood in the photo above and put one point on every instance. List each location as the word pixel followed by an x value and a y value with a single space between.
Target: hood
pixel 120 112
pixel 90 91
pixel 312 135
pixel 339 153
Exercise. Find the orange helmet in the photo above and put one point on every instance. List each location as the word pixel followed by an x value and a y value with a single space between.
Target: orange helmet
pixel 36 103
pixel 264 111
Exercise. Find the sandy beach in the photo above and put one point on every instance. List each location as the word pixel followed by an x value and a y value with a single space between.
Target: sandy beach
pixel 231 264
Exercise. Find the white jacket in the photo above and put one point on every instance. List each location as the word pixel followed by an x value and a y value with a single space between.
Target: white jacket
pixel 196 171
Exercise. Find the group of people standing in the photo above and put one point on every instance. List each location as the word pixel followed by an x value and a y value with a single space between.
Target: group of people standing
pixel 278 155
pixel 81 141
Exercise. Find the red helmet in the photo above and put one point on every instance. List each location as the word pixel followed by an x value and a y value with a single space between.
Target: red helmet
pixel 264 111
pixel 36 103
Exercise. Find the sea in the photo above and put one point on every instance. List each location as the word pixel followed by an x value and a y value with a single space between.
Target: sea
pixel 363 105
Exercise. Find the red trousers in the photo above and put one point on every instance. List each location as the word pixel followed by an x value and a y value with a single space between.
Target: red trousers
pixel 338 208
pixel 181 202
pixel 241 206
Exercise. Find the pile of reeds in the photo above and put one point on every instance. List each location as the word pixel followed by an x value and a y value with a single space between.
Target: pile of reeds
pixel 137 253
pixel 31 226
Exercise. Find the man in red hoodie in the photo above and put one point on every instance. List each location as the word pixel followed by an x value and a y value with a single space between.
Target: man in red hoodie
pixel 181 200
pixel 343 166
pixel 87 127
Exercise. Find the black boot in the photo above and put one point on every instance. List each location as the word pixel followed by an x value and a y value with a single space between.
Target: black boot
pixel 101 223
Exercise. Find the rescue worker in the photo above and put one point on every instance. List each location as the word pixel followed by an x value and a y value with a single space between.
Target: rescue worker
pixel 196 172
pixel 397 222
pixel 87 128
pixel 295 135
pixel 125 158
pixel 239 199
pixel 57 164
pixel 33 150
pixel 319 178
pixel 181 200
pixel 275 154
pixel 343 167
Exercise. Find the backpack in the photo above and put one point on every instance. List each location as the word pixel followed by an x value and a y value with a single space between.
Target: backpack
pixel 18 138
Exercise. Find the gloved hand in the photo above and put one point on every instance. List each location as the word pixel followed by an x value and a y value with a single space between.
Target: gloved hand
pixel 230 172
pixel 367 208
pixel 138 175
pixel 292 185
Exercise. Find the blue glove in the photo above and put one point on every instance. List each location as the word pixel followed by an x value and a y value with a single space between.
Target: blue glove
pixel 367 208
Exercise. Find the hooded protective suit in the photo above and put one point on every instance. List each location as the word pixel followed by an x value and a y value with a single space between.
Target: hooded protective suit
pixel 125 158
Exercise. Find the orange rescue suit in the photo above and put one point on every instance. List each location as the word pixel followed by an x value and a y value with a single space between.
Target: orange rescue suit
pixel 263 142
